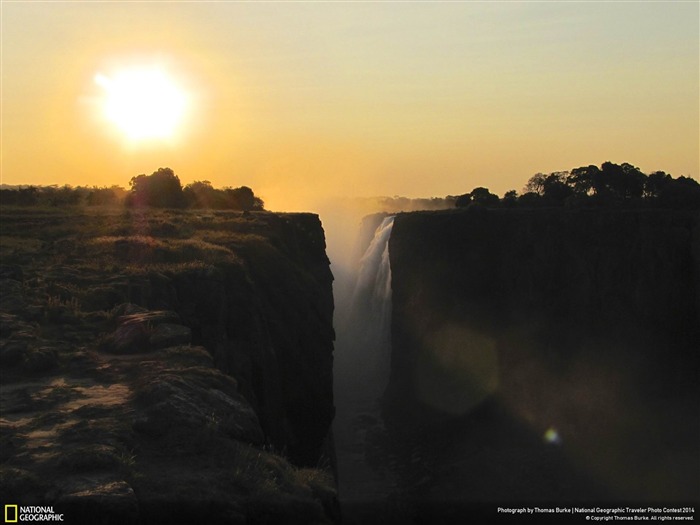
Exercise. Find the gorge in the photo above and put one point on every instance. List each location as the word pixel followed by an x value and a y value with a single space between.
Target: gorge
pixel 174 366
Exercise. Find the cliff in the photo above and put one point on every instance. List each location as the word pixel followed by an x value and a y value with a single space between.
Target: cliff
pixel 167 366
pixel 267 320
pixel 583 327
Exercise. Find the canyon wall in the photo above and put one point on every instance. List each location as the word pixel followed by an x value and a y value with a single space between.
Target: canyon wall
pixel 167 366
pixel 267 318
pixel 584 325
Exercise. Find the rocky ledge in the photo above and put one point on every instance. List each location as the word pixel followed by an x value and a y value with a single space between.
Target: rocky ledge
pixel 144 378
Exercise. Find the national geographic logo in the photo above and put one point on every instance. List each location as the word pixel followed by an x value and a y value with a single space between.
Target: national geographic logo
pixel 17 514
pixel 10 513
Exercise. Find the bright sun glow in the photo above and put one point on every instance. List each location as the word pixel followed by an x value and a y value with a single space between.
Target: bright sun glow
pixel 143 103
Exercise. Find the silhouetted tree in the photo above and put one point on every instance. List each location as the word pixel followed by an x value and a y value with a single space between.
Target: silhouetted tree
pixel 622 181
pixel 680 193
pixel 611 185
pixel 26 196
pixel 633 181
pixel 655 184
pixel 536 184
pixel 510 199
pixel 462 201
pixel 555 188
pixel 162 189
pixel 105 196
pixel 479 196
pixel 585 180
pixel 530 199
pixel 201 194
pixel 243 198
pixel 62 196
pixel 484 197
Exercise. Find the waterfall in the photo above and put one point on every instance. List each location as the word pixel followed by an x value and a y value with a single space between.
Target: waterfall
pixel 361 368
pixel 371 306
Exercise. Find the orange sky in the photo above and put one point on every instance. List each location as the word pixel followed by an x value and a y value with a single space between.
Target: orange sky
pixel 303 101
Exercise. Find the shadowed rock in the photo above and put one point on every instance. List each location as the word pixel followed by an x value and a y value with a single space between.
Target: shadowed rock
pixel 84 497
pixel 189 402
pixel 146 331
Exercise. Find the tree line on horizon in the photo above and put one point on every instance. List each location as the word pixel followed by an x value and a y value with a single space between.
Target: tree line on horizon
pixel 161 189
pixel 608 186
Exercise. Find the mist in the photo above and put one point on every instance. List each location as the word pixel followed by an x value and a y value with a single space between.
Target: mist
pixel 347 237
pixel 357 233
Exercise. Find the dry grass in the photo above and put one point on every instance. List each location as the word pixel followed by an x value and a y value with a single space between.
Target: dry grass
pixel 10 245
pixel 109 240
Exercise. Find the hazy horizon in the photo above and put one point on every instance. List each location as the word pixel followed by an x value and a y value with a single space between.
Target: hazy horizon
pixel 305 102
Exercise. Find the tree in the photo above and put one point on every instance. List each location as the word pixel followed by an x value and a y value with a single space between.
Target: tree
pixel 161 189
pixel 530 199
pixel 201 194
pixel 633 181
pixel 623 181
pixel 243 198
pixel 462 201
pixel 536 184
pixel 655 184
pixel 484 197
pixel 63 196
pixel 585 180
pixel 510 199
pixel 21 196
pixel 680 193
pixel 480 196
pixel 553 187
pixel 101 197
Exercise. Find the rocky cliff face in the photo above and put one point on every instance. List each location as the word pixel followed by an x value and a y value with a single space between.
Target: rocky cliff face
pixel 167 366
pixel 584 324
pixel 267 319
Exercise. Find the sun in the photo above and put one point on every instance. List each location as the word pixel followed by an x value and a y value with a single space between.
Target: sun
pixel 144 103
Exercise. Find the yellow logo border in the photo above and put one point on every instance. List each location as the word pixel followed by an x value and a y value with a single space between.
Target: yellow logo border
pixel 7 519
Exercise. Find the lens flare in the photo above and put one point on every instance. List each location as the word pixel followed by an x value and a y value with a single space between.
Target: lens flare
pixel 457 368
pixel 552 436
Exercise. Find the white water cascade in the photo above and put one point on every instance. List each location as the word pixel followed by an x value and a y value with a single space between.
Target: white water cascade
pixel 371 307
pixel 363 353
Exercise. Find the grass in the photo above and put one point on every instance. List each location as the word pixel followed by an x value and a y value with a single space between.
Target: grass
pixel 145 250
pixel 267 473
pixel 126 460
pixel 10 245
pixel 57 309
pixel 105 238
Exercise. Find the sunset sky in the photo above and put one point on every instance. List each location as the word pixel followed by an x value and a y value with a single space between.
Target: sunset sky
pixel 303 100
